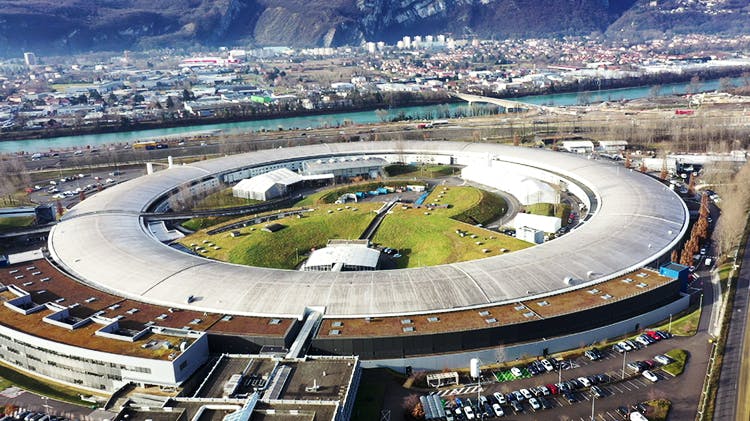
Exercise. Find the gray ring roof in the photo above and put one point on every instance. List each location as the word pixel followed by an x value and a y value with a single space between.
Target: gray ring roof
pixel 103 242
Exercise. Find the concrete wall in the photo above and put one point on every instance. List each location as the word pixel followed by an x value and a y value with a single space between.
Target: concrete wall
pixel 402 346
pixel 552 345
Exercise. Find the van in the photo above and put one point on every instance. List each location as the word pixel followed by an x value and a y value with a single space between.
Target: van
pixel 707 262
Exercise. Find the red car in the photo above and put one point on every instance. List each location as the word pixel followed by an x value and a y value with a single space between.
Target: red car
pixel 653 335
pixel 553 389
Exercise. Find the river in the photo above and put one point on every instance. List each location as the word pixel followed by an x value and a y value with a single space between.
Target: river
pixel 330 120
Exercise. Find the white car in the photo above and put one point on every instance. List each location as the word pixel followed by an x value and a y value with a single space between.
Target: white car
pixel 526 393
pixel 547 365
pixel 500 398
pixel 625 346
pixel 651 376
pixel 516 372
pixel 535 404
pixel 498 410
pixel 662 359
pixel 469 413
pixel 584 381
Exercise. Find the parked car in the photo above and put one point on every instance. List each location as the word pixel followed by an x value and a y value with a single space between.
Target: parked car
pixel 500 398
pixel 526 393
pixel 662 359
pixel 535 405
pixel 516 406
pixel 569 397
pixel 516 371
pixel 597 391
pixel 498 410
pixel 547 365
pixel 649 375
pixel 553 389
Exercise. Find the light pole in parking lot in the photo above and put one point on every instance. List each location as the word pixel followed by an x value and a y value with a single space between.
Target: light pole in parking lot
pixel 670 323
pixel 593 399
pixel 559 372
pixel 624 354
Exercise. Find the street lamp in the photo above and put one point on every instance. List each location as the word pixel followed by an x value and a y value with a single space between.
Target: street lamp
pixel 46 406
pixel 670 323
pixel 624 354
pixel 593 399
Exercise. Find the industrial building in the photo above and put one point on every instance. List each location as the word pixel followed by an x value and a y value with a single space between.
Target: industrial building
pixel 273 184
pixel 343 255
pixel 347 167
pixel 110 304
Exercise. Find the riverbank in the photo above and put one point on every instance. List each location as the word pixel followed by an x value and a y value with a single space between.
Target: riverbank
pixel 129 126
pixel 581 93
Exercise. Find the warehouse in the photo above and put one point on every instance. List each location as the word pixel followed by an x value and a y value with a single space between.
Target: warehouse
pixel 345 168
pixel 267 186
pixel 343 256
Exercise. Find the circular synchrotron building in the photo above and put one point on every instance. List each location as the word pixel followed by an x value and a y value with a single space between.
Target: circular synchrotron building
pixel 115 293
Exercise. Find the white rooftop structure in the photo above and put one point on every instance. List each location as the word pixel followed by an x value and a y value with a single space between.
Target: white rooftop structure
pixel 343 256
pixel 634 220
pixel 578 146
pixel 519 182
pixel 266 186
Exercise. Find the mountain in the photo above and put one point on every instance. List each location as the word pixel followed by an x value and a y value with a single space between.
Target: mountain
pixel 647 17
pixel 67 26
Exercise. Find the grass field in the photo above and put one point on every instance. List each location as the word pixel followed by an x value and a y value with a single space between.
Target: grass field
pixel 426 238
pixel 196 224
pixel 56 391
pixel 281 249
pixel 423 237
pixel 659 409
pixel 14 222
pixel 680 357
pixel 423 171
pixel 223 199
pixel 686 325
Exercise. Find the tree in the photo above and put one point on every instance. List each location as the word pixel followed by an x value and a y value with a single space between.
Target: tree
pixel 382 114
pixel 725 84
pixel 170 103
pixel 675 256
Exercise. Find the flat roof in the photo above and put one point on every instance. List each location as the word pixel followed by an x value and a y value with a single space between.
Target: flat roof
pixel 481 318
pixel 102 242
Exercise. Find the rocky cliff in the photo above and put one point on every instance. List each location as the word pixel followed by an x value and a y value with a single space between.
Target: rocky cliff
pixel 62 26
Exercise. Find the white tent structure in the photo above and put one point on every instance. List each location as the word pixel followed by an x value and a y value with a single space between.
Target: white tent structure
pixel 266 186
pixel 525 188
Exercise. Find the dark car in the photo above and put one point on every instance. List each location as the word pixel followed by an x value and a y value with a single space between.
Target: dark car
pixel 546 403
pixel 602 378
pixel 569 397
pixel 622 410
pixel 516 406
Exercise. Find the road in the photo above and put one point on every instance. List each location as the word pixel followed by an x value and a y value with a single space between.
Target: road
pixel 728 396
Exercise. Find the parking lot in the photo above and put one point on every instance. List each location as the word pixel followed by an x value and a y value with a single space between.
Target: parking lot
pixel 618 394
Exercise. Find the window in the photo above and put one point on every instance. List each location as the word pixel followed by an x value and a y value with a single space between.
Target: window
pixel 183 365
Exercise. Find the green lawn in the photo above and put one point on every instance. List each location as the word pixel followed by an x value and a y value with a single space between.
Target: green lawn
pixel 686 325
pixel 55 391
pixel 223 199
pixel 680 357
pixel 426 238
pixel 545 209
pixel 280 249
pixel 422 239
pixel 15 222
pixel 658 409
pixel 420 171
pixel 196 224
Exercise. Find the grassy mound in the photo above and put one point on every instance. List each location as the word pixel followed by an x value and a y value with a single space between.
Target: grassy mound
pixel 281 249
pixel 680 357
pixel 223 199
pixel 432 237
pixel 488 208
